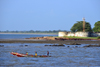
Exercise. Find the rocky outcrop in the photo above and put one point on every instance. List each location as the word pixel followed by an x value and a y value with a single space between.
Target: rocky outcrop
pixel 1 45
pixel 74 44
pixel 35 38
pixel 50 38
pixel 60 38
pixel 55 45
pixel 72 39
pixel 43 38
pixel 92 45
pixel 57 38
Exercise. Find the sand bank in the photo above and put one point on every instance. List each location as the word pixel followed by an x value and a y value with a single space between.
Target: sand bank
pixel 49 41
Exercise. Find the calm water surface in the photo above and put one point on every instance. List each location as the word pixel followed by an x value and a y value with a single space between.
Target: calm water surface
pixel 22 36
pixel 60 56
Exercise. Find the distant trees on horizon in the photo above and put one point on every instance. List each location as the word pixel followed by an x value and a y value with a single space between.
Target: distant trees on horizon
pixel 32 31
pixel 77 27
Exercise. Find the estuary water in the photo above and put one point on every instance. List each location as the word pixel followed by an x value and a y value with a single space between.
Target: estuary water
pixel 60 56
pixel 22 36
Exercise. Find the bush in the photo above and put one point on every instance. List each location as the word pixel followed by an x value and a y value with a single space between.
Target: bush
pixel 98 37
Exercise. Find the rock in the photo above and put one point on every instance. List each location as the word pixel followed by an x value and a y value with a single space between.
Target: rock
pixel 21 45
pixel 75 44
pixel 26 45
pixel 55 45
pixel 92 45
pixel 45 45
pixel 61 45
pixel 1 45
pixel 49 38
pixel 67 46
pixel 60 39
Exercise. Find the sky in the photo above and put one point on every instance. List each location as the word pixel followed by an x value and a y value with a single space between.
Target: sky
pixel 42 15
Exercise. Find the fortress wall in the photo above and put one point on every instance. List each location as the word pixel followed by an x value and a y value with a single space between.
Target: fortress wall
pixel 71 34
pixel 95 34
pixel 78 34
pixel 61 34
pixel 82 34
pixel 98 34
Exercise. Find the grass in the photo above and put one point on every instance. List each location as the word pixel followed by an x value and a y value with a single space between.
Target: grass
pixel 98 37
pixel 80 37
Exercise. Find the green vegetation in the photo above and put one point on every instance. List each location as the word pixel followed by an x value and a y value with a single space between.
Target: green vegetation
pixel 33 32
pixel 80 37
pixel 97 27
pixel 98 37
pixel 77 27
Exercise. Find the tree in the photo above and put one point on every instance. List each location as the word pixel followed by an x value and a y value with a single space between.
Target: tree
pixel 97 27
pixel 78 27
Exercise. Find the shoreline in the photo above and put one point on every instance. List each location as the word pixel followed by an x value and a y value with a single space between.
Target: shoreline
pixel 49 41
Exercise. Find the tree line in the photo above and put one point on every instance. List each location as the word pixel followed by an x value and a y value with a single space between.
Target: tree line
pixel 32 31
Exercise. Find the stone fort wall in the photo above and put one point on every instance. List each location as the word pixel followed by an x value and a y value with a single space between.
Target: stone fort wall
pixel 78 34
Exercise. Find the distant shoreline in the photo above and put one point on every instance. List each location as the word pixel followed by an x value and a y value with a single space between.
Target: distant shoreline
pixel 32 33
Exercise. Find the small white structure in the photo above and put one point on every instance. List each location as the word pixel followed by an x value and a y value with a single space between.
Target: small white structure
pixel 61 34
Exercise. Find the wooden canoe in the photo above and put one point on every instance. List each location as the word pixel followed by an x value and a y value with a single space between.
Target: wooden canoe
pixel 25 55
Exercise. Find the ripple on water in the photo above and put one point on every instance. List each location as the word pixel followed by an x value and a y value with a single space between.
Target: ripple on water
pixel 61 56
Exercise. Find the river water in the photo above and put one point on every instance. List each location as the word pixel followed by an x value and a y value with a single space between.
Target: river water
pixel 60 56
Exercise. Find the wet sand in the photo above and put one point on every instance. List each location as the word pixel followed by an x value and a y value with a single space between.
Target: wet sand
pixel 49 41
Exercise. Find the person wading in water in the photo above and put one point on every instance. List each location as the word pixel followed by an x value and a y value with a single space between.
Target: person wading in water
pixel 26 53
pixel 35 53
pixel 47 53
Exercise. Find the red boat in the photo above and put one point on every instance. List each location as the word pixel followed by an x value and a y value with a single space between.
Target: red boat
pixel 18 54
pixel 25 55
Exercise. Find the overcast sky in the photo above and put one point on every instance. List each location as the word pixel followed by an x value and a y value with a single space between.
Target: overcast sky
pixel 24 15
